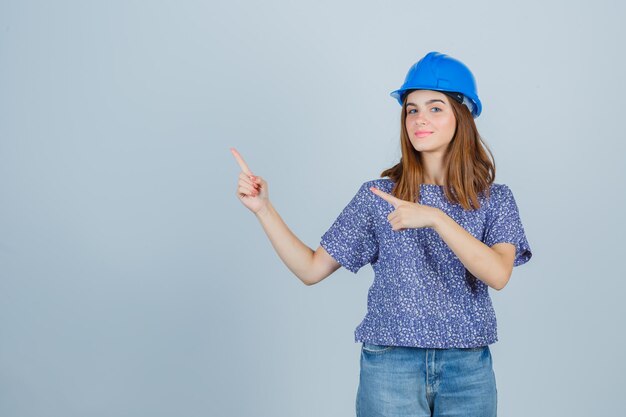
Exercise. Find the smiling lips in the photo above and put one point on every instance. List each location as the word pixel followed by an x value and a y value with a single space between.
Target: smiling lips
pixel 422 133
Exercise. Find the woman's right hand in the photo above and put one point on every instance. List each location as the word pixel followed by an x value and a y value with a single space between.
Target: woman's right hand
pixel 251 190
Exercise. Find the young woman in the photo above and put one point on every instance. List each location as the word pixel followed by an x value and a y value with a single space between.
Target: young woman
pixel 438 233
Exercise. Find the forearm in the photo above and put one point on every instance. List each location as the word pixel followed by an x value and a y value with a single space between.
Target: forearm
pixel 297 256
pixel 479 259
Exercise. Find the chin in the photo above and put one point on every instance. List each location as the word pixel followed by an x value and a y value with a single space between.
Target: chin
pixel 422 148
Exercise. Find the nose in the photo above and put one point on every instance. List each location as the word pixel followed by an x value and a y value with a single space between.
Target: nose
pixel 420 120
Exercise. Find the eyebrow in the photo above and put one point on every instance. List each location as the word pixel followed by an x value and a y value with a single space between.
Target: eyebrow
pixel 428 102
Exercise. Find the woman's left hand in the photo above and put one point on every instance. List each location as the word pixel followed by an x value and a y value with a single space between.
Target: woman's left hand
pixel 408 215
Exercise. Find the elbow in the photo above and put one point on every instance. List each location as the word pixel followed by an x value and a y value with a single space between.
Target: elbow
pixel 501 283
pixel 309 281
pixel 314 278
pixel 306 281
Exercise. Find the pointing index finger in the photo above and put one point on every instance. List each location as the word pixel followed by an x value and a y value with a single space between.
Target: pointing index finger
pixel 385 196
pixel 240 161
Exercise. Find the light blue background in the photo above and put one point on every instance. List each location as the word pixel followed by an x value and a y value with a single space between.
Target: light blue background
pixel 134 283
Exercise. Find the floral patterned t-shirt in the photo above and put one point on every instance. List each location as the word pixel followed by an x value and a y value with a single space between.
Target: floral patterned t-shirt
pixel 422 295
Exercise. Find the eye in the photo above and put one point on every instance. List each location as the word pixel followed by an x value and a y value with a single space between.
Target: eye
pixel 412 111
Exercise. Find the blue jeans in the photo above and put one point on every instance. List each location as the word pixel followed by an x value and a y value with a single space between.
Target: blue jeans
pixel 398 381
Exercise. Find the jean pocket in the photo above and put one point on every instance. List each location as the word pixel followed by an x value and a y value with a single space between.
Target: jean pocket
pixel 376 349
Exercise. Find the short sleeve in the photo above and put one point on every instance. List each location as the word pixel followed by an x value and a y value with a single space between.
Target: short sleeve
pixel 505 225
pixel 351 239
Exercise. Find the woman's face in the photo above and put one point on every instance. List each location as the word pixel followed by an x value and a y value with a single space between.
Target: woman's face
pixel 429 111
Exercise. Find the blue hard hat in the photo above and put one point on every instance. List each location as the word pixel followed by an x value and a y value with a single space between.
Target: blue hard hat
pixel 441 72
